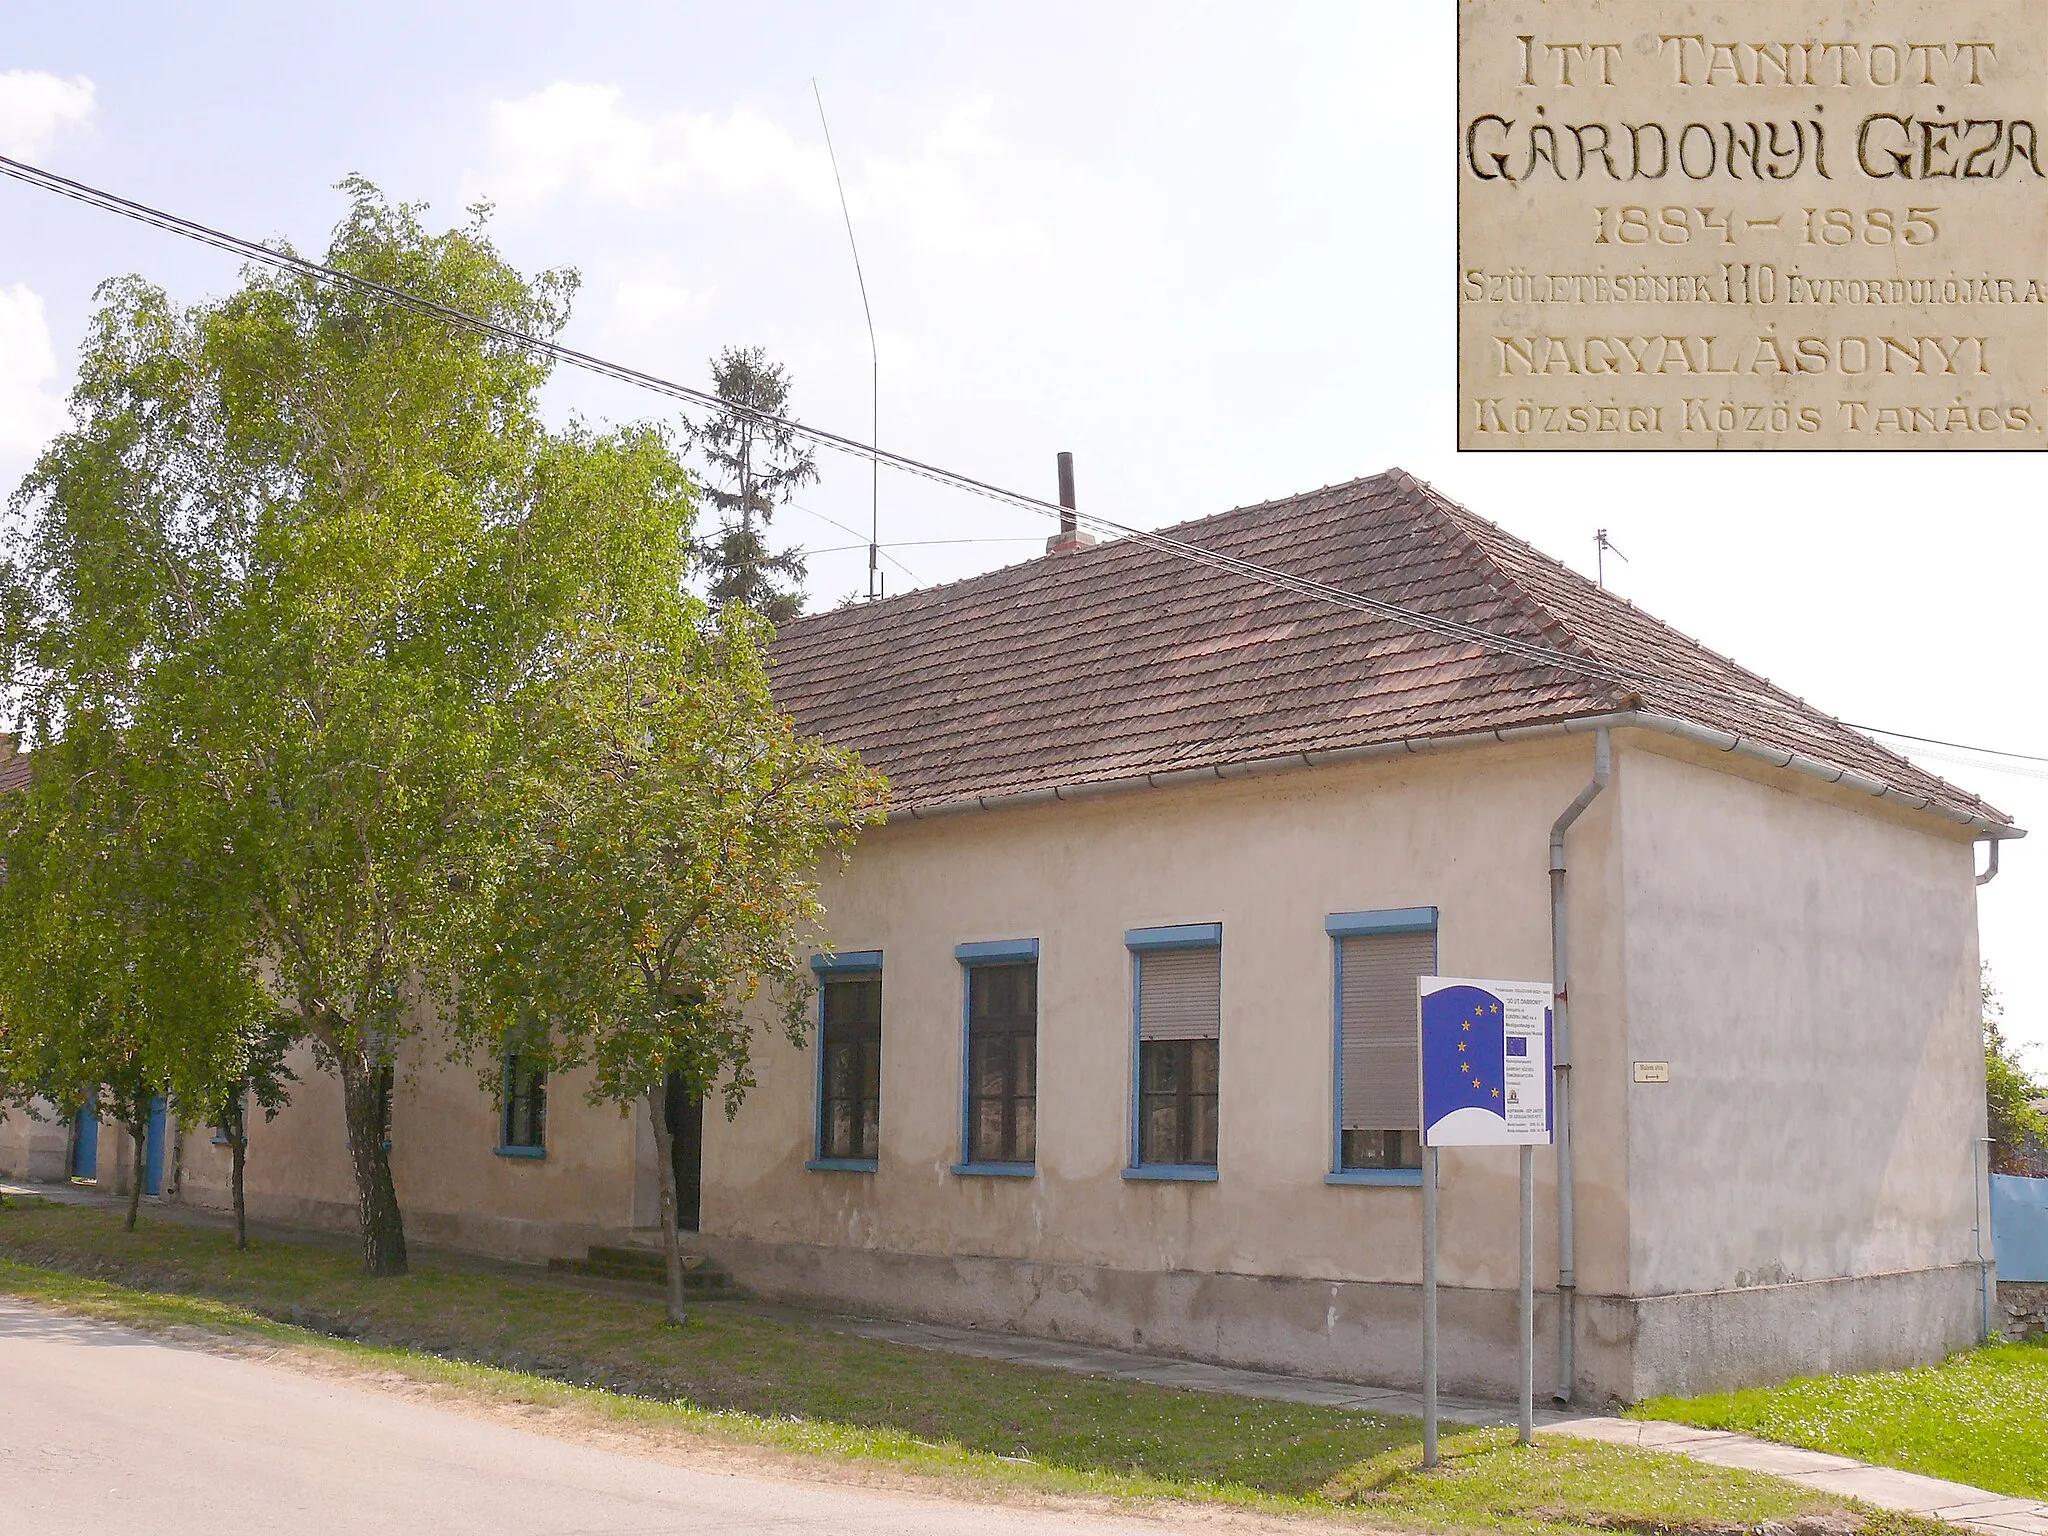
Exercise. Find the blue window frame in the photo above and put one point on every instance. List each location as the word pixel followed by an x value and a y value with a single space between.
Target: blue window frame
pixel 846 1131
pixel 523 1120
pixel 1375 1130
pixel 1176 1045
pixel 999 1058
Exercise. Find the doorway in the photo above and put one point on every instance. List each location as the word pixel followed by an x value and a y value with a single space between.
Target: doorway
pixel 85 1142
pixel 153 1149
pixel 685 1114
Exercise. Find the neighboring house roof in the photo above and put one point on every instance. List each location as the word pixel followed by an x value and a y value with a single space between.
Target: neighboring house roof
pixel 13 766
pixel 1124 661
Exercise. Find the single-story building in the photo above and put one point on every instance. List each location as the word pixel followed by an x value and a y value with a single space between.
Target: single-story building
pixel 1117 1010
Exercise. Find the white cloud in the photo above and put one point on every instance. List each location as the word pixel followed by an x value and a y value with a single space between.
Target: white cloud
pixel 932 192
pixel 31 412
pixel 569 136
pixel 34 106
pixel 648 302
pixel 570 139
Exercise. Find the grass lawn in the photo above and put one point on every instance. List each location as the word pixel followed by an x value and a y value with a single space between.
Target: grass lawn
pixel 1980 1417
pixel 741 1376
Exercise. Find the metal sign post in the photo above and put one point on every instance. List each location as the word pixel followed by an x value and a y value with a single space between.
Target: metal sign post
pixel 1429 1306
pixel 1486 1062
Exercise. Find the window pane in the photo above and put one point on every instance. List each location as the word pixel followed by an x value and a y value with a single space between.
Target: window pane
pixel 988 1078
pixel 1159 1063
pixel 839 1070
pixel 1382 1149
pixel 988 1131
pixel 1160 1138
pixel 839 1128
pixel 1201 1143
pixel 853 1002
pixel 1203 1069
pixel 1026 1148
pixel 1025 1082
pixel 1002 994
pixel 870 1126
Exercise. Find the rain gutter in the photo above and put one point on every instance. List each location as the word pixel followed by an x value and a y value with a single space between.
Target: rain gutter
pixel 1745 747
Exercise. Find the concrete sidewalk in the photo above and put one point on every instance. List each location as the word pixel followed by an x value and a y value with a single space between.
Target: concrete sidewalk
pixel 1882 1487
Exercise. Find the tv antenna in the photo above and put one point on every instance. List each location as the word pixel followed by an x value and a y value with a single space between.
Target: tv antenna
pixel 874 368
pixel 1603 546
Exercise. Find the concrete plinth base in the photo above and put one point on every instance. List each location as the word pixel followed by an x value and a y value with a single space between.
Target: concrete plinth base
pixel 1626 1348
pixel 1718 1341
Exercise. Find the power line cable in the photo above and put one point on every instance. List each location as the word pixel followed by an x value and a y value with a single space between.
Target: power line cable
pixel 1936 741
pixel 285 260
pixel 1634 678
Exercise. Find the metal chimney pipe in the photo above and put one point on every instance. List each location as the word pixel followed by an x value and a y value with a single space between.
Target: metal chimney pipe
pixel 1068 523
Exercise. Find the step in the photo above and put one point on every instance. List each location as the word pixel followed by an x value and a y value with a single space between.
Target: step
pixel 643 1266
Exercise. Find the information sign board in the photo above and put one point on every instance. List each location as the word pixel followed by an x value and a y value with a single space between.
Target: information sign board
pixel 1486 1062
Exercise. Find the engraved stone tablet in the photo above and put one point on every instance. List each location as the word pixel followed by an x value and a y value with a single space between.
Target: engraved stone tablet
pixel 1753 224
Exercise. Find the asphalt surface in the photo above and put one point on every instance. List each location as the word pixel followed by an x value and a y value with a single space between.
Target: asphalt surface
pixel 103 1429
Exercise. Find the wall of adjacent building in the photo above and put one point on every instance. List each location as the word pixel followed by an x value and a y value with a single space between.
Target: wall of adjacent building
pixel 453 1186
pixel 35 1146
pixel 1807 965
pixel 1270 1263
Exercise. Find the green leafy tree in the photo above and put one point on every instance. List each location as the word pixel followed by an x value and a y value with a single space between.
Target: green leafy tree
pixel 289 536
pixel 672 834
pixel 2018 1131
pixel 753 465
pixel 242 1063
pixel 91 990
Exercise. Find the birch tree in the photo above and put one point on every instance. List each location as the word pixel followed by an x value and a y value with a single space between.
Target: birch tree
pixel 280 551
pixel 666 880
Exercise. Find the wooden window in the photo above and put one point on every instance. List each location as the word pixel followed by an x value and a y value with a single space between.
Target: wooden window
pixel 526 1103
pixel 850 1097
pixel 1379 1062
pixel 1179 1030
pixel 1002 1063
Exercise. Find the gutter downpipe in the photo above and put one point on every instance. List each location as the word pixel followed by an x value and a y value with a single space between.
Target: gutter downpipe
pixel 1980 1174
pixel 1567 1275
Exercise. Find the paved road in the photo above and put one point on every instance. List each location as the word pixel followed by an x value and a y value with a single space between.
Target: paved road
pixel 103 1429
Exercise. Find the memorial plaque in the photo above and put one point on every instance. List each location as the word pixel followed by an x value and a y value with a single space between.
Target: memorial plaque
pixel 1765 224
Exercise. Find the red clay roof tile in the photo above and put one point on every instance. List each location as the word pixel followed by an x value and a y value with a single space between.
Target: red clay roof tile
pixel 1126 659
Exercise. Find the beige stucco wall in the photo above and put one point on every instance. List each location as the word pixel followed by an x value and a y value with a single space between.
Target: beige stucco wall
pixel 1809 970
pixel 1268 859
pixel 452 1185
pixel 1797 1196
pixel 35 1146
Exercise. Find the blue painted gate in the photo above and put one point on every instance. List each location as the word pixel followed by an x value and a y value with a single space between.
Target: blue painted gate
pixel 85 1142
pixel 2019 1226
pixel 153 1149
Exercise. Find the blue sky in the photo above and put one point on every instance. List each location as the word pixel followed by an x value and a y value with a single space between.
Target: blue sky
pixel 1207 248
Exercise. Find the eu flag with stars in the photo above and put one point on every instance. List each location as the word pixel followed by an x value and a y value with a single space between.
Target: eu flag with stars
pixel 1463 1035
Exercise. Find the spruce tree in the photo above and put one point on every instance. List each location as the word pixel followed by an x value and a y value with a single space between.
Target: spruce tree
pixel 752 466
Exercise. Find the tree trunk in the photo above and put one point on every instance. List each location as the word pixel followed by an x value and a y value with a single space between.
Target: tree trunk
pixel 383 1227
pixel 671 1236
pixel 138 1132
pixel 238 1149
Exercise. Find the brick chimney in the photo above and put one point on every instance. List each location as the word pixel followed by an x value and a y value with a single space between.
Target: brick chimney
pixel 1070 537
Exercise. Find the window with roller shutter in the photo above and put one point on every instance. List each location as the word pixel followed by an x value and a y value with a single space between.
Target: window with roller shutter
pixel 1379 1115
pixel 1179 1047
